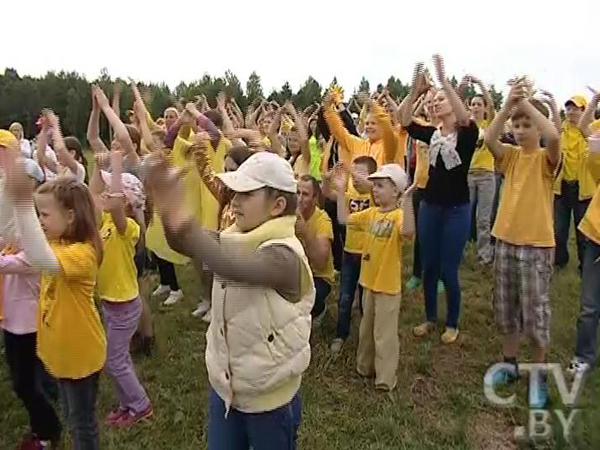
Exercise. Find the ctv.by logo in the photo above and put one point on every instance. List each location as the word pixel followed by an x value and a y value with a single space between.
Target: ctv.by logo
pixel 539 426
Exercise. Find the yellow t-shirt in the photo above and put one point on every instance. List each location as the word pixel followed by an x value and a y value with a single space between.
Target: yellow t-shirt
pixel 356 202
pixel 574 147
pixel 595 126
pixel 525 214
pixel 380 269
pixel 70 340
pixel 301 167
pixel 117 276
pixel 320 225
pixel 482 158
pixel 590 224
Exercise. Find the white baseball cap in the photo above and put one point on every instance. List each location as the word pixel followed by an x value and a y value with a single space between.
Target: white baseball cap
pixel 263 169
pixel 392 172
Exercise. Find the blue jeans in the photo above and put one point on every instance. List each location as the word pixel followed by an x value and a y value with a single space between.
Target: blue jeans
pixel 417 264
pixel 271 430
pixel 587 324
pixel 443 234
pixel 348 283
pixel 79 405
pixel 566 205
pixel 323 288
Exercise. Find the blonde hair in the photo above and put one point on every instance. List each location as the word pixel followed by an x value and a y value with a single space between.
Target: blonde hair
pixel 18 126
pixel 171 109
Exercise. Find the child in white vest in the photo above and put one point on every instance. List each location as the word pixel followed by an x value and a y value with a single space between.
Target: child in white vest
pixel 258 338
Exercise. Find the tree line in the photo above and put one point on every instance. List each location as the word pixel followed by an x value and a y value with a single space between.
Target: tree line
pixel 68 94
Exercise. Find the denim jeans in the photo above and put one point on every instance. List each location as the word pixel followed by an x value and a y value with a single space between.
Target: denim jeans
pixel 270 430
pixel 26 372
pixel 587 324
pixel 79 406
pixel 567 204
pixel 443 231
pixel 323 288
pixel 417 264
pixel 348 283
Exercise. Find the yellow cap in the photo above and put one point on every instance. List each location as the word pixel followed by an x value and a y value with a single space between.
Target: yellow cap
pixel 7 139
pixel 577 100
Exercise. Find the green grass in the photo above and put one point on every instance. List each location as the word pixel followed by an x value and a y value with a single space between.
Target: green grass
pixel 439 402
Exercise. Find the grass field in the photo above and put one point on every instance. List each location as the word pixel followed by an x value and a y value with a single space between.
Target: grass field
pixel 439 402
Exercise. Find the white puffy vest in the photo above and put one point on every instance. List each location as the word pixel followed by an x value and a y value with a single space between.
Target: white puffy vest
pixel 257 341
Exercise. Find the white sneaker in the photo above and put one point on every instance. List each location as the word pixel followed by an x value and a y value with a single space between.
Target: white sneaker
pixel 174 297
pixel 578 366
pixel 207 317
pixel 336 345
pixel 203 306
pixel 161 290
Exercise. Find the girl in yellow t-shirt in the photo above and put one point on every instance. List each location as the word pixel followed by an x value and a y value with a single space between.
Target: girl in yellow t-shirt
pixel 481 178
pixel 119 197
pixel 65 246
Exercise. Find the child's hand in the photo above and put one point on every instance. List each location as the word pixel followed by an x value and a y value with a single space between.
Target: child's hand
pixel 102 159
pixel 221 101
pixel 518 92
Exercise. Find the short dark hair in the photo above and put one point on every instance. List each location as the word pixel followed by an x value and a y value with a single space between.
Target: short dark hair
pixel 239 154
pixel 215 117
pixel 519 113
pixel 367 161
pixel 313 181
pixel 291 200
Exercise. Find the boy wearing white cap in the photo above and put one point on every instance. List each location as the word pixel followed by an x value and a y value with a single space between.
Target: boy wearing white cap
pixel 258 338
pixel 380 273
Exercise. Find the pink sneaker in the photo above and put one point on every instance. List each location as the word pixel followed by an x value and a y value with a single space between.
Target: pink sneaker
pixel 130 419
pixel 115 416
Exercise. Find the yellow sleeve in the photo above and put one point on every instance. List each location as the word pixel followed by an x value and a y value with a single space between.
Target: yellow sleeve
pixel 324 227
pixel 390 141
pixel 593 162
pixel 351 143
pixel 595 126
pixel 151 124
pixel 359 221
pixel 503 162
pixel 132 231
pixel 76 260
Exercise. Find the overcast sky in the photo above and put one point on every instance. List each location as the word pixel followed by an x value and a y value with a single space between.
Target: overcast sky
pixel 552 42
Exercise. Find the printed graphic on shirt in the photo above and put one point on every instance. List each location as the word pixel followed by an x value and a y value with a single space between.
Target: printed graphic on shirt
pixel 357 205
pixel 382 228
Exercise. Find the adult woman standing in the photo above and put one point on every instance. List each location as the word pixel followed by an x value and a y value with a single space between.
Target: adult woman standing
pixel 445 210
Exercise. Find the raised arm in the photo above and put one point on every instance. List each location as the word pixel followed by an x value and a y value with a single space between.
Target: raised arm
pixel 274 133
pixel 115 122
pixel 116 101
pixel 63 155
pixel 336 126
pixel 496 128
pixel 588 116
pixel 458 107
pixel 93 131
pixel 116 199
pixel 417 88
pixel 222 108
pixel 548 129
pixel 390 141
pixel 301 127
pixel 36 248
pixel 549 100
pixel 42 145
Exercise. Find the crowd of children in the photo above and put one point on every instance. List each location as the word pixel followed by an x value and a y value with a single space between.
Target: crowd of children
pixel 260 205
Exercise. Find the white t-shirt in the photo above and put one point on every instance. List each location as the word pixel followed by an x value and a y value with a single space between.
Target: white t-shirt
pixel 25 148
pixel 79 175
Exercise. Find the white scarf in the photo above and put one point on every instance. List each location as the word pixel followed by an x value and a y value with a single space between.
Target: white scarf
pixel 445 146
